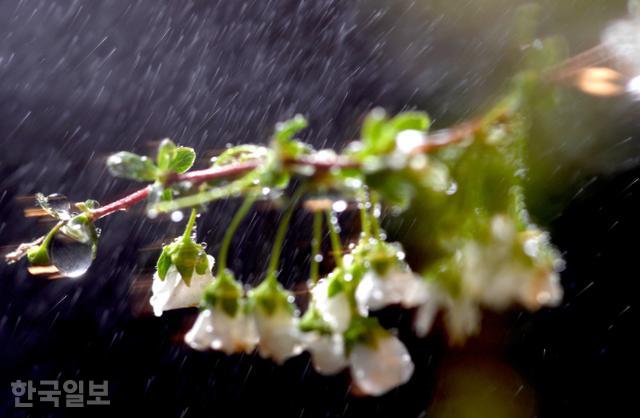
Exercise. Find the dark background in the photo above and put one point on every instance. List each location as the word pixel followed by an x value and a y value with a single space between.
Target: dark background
pixel 79 80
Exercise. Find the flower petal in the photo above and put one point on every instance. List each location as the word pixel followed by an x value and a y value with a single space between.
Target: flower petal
pixel 214 329
pixel 173 293
pixel 327 353
pixel 280 338
pixel 335 310
pixel 377 370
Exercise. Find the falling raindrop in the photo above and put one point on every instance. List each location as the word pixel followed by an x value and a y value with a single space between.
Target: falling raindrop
pixel 71 257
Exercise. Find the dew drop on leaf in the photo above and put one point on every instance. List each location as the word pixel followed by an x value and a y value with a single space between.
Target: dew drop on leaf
pixel 60 204
pixel 72 258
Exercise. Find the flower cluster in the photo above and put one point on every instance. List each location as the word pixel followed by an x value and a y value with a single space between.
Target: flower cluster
pixel 338 329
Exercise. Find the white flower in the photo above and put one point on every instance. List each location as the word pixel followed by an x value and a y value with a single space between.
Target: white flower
pixel 377 370
pixel 335 310
pixel 462 318
pixel 216 330
pixel 397 286
pixel 511 267
pixel 173 292
pixel 327 352
pixel 280 338
pixel 428 310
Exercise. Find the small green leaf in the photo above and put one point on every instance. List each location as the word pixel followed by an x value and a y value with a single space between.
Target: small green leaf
pixel 373 125
pixel 164 262
pixel 166 151
pixel 378 135
pixel 131 166
pixel 393 187
pixel 183 158
pixel 418 121
pixel 286 130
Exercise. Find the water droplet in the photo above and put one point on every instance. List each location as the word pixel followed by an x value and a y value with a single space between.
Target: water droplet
pixel 353 183
pixel 59 202
pixel 71 257
pixel 177 216
pixel 339 206
pixel 377 210
pixel 318 258
pixel 152 213
pixel 453 188
pixel 266 191
pixel 291 299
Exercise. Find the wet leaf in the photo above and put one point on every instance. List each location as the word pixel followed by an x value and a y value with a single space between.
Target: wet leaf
pixel 182 160
pixel 131 166
pixel 165 154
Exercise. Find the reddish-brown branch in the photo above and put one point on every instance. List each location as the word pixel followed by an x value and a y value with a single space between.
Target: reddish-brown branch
pixel 121 204
pixel 200 176
pixel 434 141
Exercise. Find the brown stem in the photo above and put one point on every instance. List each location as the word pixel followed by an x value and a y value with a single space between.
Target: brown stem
pixel 436 140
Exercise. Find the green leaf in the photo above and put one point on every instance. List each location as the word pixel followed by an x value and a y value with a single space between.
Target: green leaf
pixel 373 125
pixel 393 186
pixel 241 153
pixel 378 135
pixel 131 166
pixel 164 262
pixel 182 160
pixel 166 150
pixel 286 130
pixel 418 121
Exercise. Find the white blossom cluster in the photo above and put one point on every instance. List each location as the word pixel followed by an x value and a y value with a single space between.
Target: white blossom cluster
pixel 508 267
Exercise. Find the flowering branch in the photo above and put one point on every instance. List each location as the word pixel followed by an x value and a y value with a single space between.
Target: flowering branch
pixel 483 251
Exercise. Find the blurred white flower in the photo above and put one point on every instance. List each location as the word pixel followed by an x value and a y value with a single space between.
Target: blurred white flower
pixel 280 337
pixel 335 310
pixel 511 267
pixel 327 352
pixel 462 318
pixel 380 368
pixel 399 285
pixel 214 329
pixel 427 311
pixel 173 292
